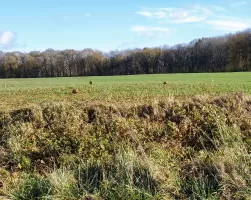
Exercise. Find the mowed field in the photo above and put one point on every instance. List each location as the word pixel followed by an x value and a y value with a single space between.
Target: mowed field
pixel 16 93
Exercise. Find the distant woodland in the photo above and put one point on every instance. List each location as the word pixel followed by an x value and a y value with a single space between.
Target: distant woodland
pixel 229 53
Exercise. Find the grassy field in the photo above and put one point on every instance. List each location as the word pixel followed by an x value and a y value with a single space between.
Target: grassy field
pixel 120 89
pixel 126 138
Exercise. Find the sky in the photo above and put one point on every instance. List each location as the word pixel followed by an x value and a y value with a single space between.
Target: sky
pixel 108 25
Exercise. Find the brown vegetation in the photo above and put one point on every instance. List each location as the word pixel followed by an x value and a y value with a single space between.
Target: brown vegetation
pixel 74 91
pixel 193 149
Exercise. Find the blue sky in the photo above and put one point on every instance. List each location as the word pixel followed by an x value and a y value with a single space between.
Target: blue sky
pixel 106 25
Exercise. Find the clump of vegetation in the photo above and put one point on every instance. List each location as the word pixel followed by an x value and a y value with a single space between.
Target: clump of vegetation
pixel 31 187
pixel 197 149
pixel 74 91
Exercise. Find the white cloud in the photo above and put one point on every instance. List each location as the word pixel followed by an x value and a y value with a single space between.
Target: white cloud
pixel 228 25
pixel 213 17
pixel 146 13
pixel 7 39
pixel 195 13
pixel 159 14
pixel 87 14
pixel 150 31
pixel 238 4
pixel 181 15
pixel 217 8
pixel 189 19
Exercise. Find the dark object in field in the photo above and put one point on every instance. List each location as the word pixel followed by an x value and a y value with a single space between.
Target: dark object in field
pixel 1 184
pixel 89 198
pixel 90 82
pixel 165 83
pixel 92 115
pixel 74 91
pixel 24 114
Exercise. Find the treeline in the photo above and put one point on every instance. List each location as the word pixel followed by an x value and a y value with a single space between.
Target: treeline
pixel 227 53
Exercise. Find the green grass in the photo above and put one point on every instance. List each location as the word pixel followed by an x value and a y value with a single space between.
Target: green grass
pixel 120 89
pixel 242 77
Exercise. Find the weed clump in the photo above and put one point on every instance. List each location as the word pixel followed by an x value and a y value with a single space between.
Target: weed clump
pixel 200 179
pixel 32 187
